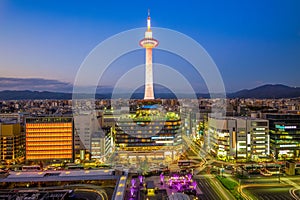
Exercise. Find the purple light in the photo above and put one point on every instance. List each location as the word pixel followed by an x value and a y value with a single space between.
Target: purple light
pixel 132 191
pixel 170 182
pixel 133 181
pixel 141 179
pixel 189 177
pixel 162 178
pixel 179 186
pixel 194 184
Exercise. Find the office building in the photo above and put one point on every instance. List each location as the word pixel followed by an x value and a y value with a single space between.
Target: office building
pixel 284 136
pixel 238 138
pixel 49 138
pixel 102 144
pixel 220 137
pixel 11 142
pixel 252 138
pixel 85 125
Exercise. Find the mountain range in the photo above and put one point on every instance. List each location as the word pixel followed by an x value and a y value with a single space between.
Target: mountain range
pixel 268 91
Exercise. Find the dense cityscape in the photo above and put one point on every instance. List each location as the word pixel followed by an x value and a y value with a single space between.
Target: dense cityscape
pixel 256 142
pixel 150 148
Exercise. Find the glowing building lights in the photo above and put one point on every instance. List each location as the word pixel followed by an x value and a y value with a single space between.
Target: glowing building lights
pixel 288 145
pixel 238 137
pixel 284 136
pixel 49 138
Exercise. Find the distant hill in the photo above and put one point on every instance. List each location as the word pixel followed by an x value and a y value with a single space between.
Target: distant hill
pixel 27 94
pixel 268 91
pixel 31 95
pixel 263 92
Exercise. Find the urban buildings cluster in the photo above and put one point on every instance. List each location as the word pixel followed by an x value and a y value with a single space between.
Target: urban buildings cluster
pixel 253 130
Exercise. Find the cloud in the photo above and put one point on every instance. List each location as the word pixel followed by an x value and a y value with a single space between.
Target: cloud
pixel 34 84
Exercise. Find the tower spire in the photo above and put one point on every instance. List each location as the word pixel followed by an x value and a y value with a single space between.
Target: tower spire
pixel 149 21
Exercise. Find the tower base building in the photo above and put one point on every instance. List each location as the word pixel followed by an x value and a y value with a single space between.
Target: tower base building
pixel 148 135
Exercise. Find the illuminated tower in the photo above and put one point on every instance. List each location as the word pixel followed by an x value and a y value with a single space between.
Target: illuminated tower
pixel 148 43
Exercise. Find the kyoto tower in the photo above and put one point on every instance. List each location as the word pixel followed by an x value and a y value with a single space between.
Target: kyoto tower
pixel 148 43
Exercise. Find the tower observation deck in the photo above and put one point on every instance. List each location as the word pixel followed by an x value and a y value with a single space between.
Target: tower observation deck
pixel 148 42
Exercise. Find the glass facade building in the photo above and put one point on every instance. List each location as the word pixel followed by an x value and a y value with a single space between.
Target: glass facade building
pixel 284 136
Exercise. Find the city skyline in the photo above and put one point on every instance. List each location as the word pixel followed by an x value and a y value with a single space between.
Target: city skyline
pixel 252 44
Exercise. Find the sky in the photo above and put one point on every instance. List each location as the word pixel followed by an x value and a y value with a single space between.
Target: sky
pixel 252 42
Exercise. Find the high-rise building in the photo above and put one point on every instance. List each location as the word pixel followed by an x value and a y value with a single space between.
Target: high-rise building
pixel 101 144
pixel 102 140
pixel 148 43
pixel 238 138
pixel 97 145
pixel 49 138
pixel 284 136
pixel 252 138
pixel 220 137
pixel 11 142
pixel 85 126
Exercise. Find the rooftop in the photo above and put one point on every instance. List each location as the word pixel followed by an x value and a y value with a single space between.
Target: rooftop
pixel 146 115
pixel 59 175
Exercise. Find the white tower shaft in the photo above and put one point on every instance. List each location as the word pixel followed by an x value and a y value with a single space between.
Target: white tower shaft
pixel 149 92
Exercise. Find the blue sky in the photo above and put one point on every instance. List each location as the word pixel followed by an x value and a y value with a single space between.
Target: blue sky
pixel 252 42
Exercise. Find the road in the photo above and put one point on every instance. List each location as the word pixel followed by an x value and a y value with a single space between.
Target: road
pixel 194 147
pixel 270 188
pixel 89 194
pixel 271 193
pixel 207 191
pixel 211 188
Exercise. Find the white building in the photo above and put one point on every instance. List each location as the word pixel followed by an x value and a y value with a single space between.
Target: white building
pixel 252 138
pixel 85 125
pixel 238 138
pixel 221 137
